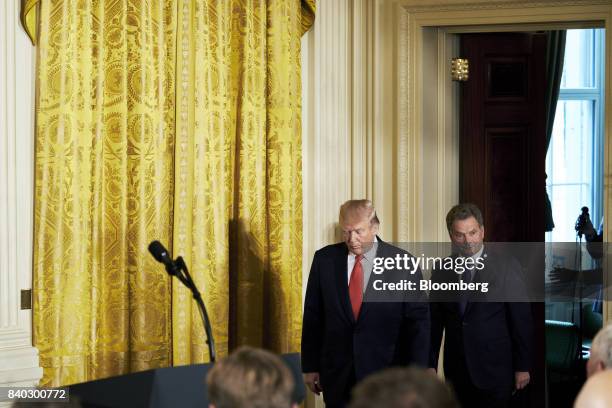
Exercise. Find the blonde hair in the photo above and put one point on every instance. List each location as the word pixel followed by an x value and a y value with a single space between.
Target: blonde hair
pixel 363 209
pixel 250 378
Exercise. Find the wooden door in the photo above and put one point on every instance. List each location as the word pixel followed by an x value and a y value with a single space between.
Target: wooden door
pixel 502 151
pixel 503 133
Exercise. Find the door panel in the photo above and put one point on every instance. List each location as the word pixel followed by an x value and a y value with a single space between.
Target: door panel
pixel 502 133
pixel 502 150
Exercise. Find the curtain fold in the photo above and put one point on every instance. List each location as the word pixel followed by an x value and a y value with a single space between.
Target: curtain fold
pixel 104 187
pixel 29 16
pixel 172 120
pixel 238 160
pixel 555 54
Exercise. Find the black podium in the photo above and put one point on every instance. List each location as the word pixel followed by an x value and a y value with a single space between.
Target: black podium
pixel 182 386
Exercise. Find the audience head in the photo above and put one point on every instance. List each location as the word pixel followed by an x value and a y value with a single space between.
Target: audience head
pixel 252 378
pixel 601 352
pixel 466 228
pixel 359 225
pixel 596 392
pixel 403 388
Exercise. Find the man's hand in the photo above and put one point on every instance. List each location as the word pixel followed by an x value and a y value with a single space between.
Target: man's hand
pixel 521 379
pixel 312 382
pixel 562 275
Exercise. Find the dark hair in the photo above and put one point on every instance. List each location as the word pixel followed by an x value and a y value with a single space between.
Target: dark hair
pixel 463 211
pixel 252 378
pixel 403 388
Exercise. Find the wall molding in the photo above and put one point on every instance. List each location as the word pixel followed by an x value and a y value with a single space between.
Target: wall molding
pixel 337 111
pixel 462 5
pixel 19 363
pixel 408 147
pixel 451 16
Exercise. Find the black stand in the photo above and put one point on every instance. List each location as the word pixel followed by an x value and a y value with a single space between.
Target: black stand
pixel 178 268
pixel 579 282
pixel 183 275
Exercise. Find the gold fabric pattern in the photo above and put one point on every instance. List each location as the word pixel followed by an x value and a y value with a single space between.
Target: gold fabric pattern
pixel 172 120
pixel 104 187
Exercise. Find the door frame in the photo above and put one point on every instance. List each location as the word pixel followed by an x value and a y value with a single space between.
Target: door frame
pixel 428 108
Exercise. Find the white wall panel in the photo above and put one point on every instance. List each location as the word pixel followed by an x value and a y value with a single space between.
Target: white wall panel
pixel 18 359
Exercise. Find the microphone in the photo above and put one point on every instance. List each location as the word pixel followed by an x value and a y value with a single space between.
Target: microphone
pixel 583 218
pixel 161 255
pixel 178 268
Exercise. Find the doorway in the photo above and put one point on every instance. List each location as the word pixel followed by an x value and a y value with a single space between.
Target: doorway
pixel 515 79
pixel 430 118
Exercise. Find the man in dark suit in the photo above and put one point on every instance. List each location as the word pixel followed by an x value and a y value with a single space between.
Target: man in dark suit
pixel 344 339
pixel 488 340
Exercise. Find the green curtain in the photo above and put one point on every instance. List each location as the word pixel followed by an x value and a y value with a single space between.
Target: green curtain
pixel 555 53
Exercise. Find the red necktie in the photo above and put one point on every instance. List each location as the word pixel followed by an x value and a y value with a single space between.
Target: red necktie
pixel 356 286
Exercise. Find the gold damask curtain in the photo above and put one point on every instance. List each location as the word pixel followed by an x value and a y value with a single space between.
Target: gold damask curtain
pixel 172 120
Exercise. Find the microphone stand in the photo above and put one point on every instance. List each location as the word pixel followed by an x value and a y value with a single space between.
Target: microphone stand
pixel 180 271
pixel 579 283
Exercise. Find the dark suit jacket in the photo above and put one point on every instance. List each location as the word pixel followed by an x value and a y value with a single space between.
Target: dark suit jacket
pixel 343 350
pixel 493 339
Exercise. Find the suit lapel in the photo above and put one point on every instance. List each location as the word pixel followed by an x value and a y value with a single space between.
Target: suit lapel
pixel 340 270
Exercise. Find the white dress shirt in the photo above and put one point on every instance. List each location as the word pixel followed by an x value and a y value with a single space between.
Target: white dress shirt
pixel 367 262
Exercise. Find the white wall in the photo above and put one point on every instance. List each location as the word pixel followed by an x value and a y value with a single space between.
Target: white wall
pixel 18 359
pixel 335 123
pixel 357 140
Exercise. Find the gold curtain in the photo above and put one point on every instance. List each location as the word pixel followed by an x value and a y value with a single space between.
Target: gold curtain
pixel 172 120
